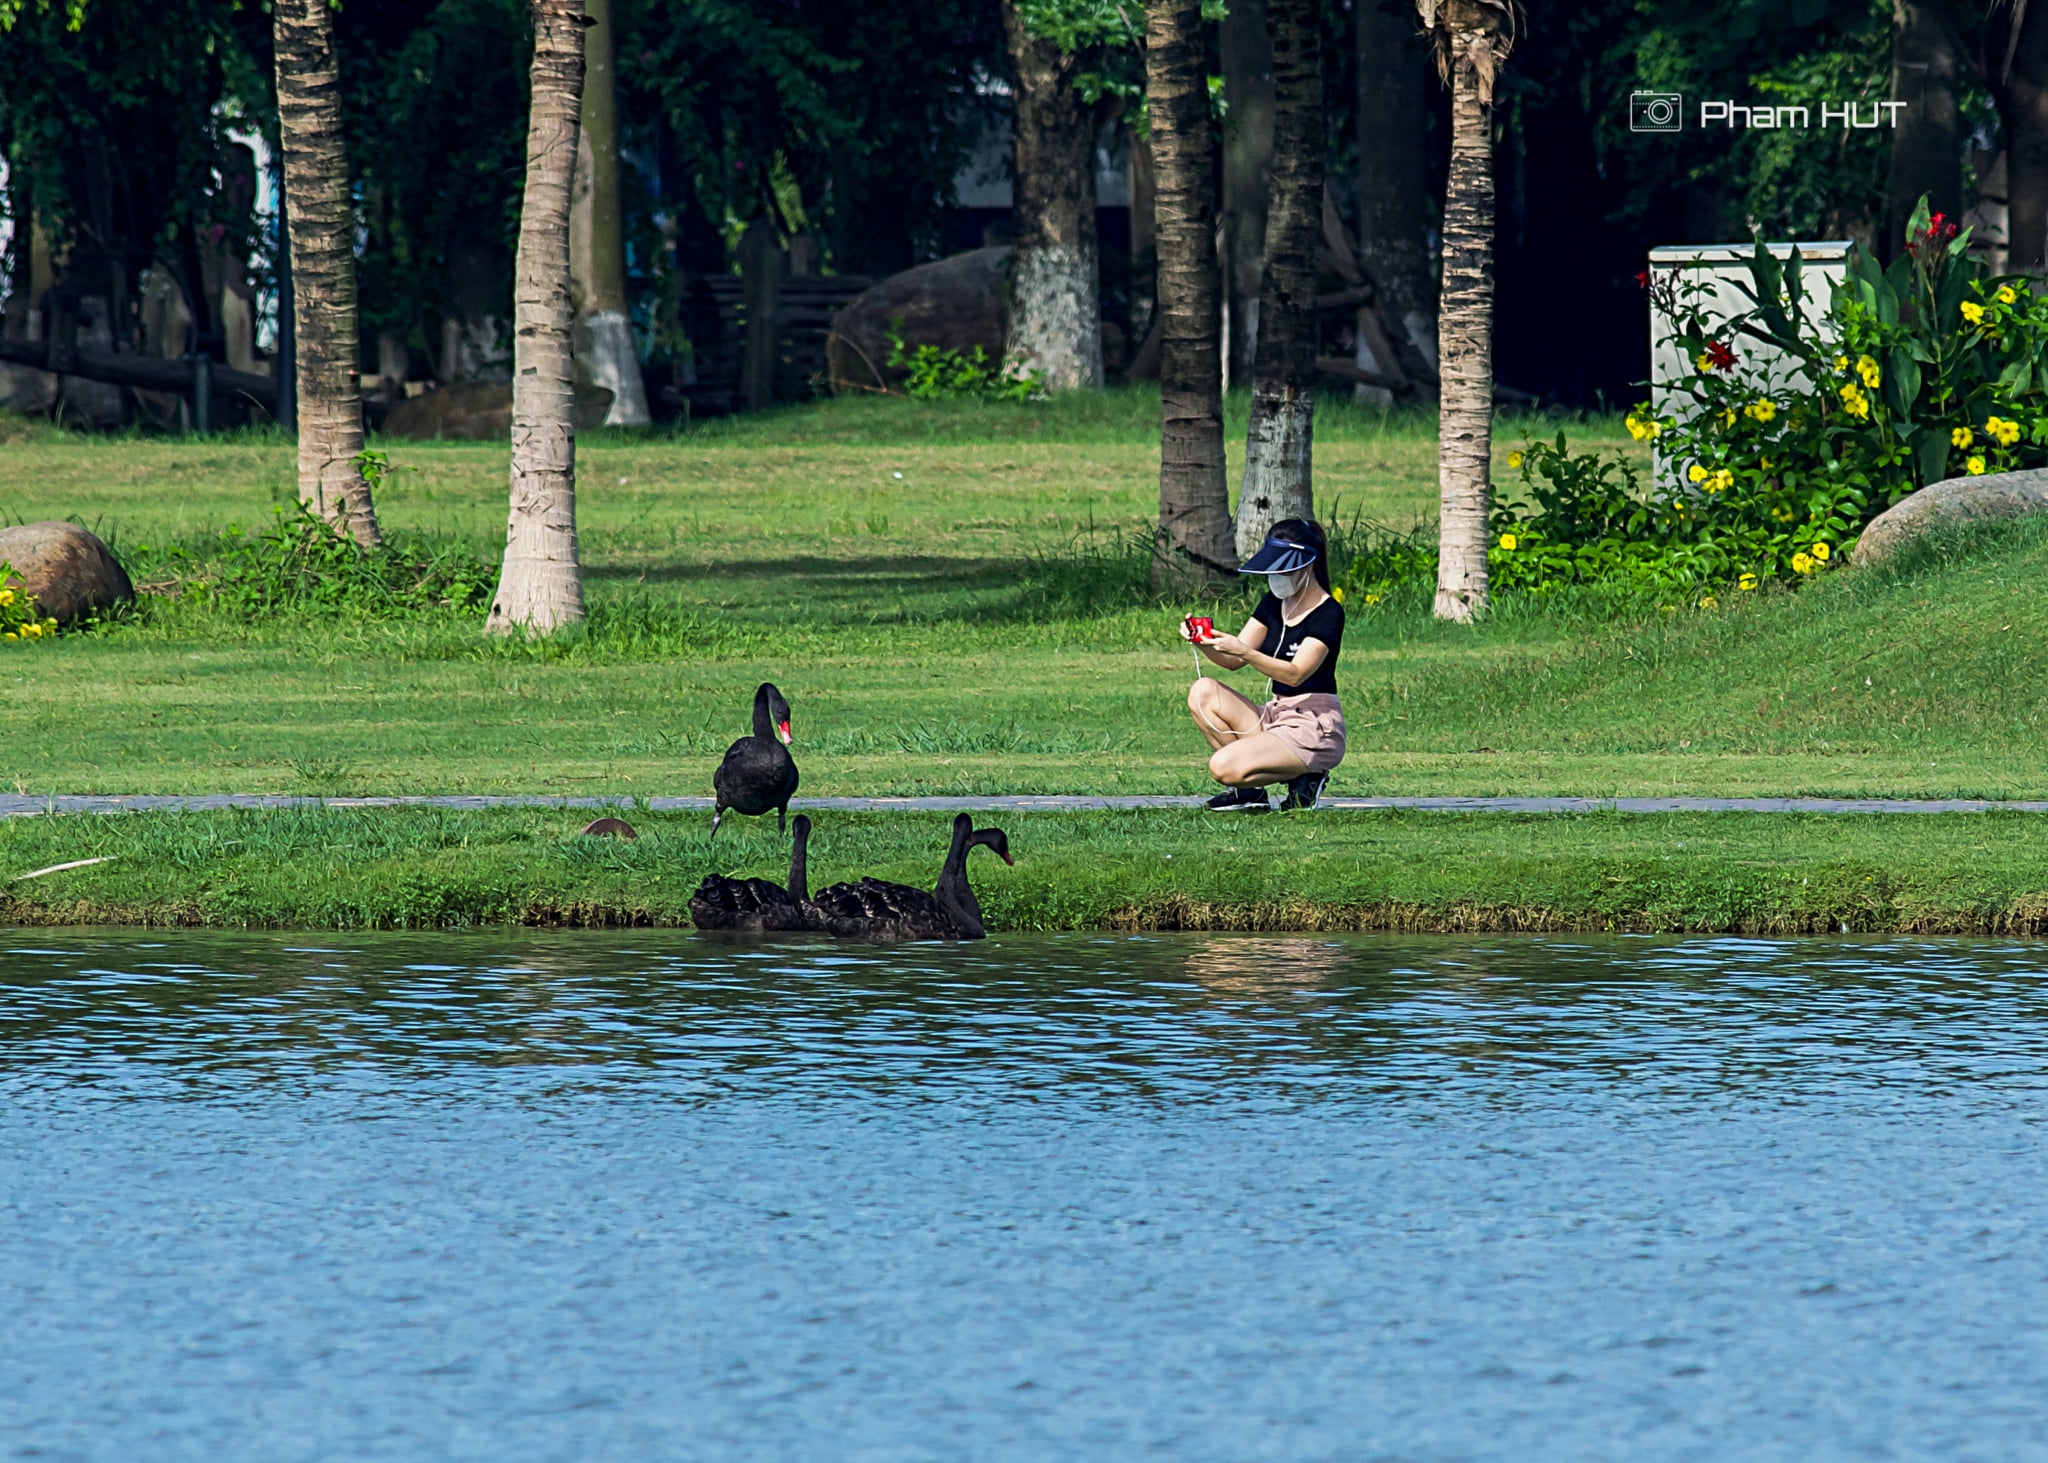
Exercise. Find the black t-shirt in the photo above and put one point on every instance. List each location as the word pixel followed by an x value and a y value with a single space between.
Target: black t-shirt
pixel 1325 623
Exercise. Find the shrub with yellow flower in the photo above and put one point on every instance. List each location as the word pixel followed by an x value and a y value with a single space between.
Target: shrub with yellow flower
pixel 1696 473
pixel 2001 430
pixel 1821 552
pixel 1972 312
pixel 1719 482
pixel 1867 370
pixel 1802 564
pixel 1973 465
pixel 1961 437
pixel 1855 402
pixel 1747 582
pixel 18 618
pixel 1515 461
pixel 2006 295
pixel 1761 411
pixel 1643 428
pixel 1508 541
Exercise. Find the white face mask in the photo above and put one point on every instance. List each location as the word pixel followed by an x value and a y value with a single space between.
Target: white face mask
pixel 1286 586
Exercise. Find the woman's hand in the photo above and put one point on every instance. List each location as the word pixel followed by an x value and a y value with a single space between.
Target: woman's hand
pixel 1226 644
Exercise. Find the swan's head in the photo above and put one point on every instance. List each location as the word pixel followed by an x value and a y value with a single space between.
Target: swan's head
pixel 995 841
pixel 778 710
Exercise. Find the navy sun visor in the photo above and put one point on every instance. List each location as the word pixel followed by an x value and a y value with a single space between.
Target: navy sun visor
pixel 1278 556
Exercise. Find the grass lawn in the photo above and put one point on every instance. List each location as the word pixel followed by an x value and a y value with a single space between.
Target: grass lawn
pixel 924 629
pixel 426 868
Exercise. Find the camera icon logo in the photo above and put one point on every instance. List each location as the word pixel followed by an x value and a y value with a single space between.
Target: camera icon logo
pixel 1656 111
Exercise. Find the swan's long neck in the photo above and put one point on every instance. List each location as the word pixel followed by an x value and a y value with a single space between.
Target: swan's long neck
pixel 764 727
pixel 799 867
pixel 953 891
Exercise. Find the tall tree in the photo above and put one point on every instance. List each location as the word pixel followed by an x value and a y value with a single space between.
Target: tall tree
pixel 1194 547
pixel 1246 51
pixel 1927 146
pixel 2017 47
pixel 1278 449
pixel 1054 314
pixel 540 588
pixel 597 244
pixel 1393 170
pixel 321 226
pixel 1472 38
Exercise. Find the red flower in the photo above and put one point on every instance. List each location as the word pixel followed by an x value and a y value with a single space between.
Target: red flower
pixel 1719 357
pixel 1643 278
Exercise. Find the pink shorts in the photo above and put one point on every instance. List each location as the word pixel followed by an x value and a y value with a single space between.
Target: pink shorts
pixel 1311 725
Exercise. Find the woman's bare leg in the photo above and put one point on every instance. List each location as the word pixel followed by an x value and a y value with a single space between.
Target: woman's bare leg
pixel 1221 713
pixel 1256 761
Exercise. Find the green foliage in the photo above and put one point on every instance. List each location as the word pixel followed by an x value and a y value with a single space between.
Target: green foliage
pixel 18 618
pixel 935 374
pixel 301 566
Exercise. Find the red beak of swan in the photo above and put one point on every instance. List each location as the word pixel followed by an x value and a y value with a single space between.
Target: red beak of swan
pixel 783 728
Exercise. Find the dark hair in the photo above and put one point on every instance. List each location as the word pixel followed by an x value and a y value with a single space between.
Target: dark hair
pixel 1309 533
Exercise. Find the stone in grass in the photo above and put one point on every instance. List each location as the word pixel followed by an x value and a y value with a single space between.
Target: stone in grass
pixel 1958 501
pixel 68 570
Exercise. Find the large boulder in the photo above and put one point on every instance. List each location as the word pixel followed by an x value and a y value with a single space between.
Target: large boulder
pixel 480 411
pixel 954 304
pixel 67 569
pixel 1995 495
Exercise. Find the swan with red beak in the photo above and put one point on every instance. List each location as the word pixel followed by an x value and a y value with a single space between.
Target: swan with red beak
pixel 758 773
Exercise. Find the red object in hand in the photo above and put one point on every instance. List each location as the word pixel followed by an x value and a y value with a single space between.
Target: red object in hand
pixel 1201 627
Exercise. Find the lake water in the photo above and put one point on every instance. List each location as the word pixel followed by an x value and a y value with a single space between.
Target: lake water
pixel 646 1196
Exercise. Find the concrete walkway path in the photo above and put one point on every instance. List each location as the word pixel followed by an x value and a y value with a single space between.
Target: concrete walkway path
pixel 20 806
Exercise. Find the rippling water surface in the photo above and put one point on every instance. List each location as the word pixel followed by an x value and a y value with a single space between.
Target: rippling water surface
pixel 601 1197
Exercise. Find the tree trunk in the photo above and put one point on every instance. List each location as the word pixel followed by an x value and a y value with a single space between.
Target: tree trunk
pixel 1054 306
pixel 597 248
pixel 1194 548
pixel 1472 42
pixel 1278 450
pixel 1927 148
pixel 1248 144
pixel 2021 91
pixel 1393 170
pixel 321 233
pixel 540 588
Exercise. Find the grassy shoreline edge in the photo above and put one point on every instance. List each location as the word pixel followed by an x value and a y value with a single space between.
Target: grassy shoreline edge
pixel 1127 871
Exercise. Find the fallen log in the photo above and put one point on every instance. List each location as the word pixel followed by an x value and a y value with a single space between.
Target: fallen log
pixel 146 373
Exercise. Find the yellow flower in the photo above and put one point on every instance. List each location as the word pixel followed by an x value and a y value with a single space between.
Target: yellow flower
pixel 1801 564
pixel 1708 602
pixel 1643 429
pixel 1372 599
pixel 1508 542
pixel 1337 593
pixel 2002 431
pixel 1841 363
pixel 1855 402
pixel 1761 411
pixel 2005 295
pixel 1696 473
pixel 1821 552
pixel 1962 437
pixel 1867 369
pixel 1973 312
pixel 1746 582
pixel 6 596
pixel 1721 481
pixel 1973 466
pixel 1728 416
pixel 1514 459
pixel 12 636
pixel 1704 361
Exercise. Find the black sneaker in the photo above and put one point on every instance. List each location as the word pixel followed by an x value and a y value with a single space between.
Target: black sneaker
pixel 1303 791
pixel 1240 800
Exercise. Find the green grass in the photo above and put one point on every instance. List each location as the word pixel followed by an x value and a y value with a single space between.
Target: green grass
pixel 970 626
pixel 428 868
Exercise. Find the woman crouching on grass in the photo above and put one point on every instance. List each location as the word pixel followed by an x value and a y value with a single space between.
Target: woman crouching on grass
pixel 1293 638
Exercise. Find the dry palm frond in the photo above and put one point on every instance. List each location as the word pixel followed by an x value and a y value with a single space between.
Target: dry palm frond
pixel 1471 33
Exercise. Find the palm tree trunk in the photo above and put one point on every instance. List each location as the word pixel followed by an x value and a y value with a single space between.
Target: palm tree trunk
pixel 1279 448
pixel 597 248
pixel 1393 171
pixel 1927 150
pixel 321 234
pixel 2019 84
pixel 1245 47
pixel 1194 547
pixel 540 588
pixel 1473 37
pixel 1054 311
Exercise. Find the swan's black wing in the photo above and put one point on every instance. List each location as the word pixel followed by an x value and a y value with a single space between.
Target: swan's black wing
pixel 745 904
pixel 875 909
pixel 755 776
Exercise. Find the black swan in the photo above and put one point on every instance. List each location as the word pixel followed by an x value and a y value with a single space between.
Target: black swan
pixel 874 909
pixel 755 904
pixel 758 773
